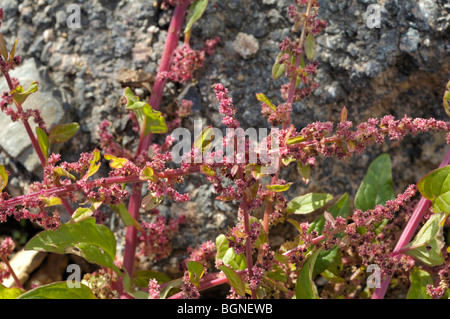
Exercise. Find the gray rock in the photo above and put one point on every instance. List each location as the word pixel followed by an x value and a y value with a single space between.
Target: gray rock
pixel 245 45
pixel 9 8
pixel 14 138
pixel 409 42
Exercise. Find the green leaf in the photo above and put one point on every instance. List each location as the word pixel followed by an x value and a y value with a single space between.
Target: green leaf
pixel 344 114
pixel 203 142
pixel 142 277
pixel 95 243
pixel 63 132
pixel 126 217
pixel 62 172
pixel 150 201
pixel 171 285
pixel 234 279
pixel 194 13
pixel 12 53
pixel 154 121
pixel 305 287
pixel 264 99
pixel 295 140
pixel 3 178
pixel 59 290
pixel 130 289
pixel 277 275
pixel 310 46
pixel 377 186
pixel 426 246
pixel 51 201
pixel 20 95
pixel 10 293
pixel 43 141
pixel 205 169
pixel 436 187
pixel 228 256
pixel 304 171
pixel 255 171
pixel 278 69
pixel 133 102
pixel 287 160
pixel 116 162
pixel 94 166
pixel 151 120
pixel 340 208
pixel 308 203
pixel 81 214
pixel 446 102
pixel 446 99
pixel 196 271
pixel 3 48
pixel 419 280
pixel 325 259
pixel 296 224
pixel 279 188
pixel 148 174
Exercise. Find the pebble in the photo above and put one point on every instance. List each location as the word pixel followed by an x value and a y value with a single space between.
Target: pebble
pixel 409 42
pixel 245 45
pixel 49 35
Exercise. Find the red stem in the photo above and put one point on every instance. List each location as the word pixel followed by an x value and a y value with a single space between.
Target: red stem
pixel 34 141
pixel 290 100
pixel 173 37
pixel 66 189
pixel 11 271
pixel 413 223
pixel 248 247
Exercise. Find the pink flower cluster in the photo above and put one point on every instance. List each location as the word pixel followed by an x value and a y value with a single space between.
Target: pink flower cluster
pixel 154 289
pixel 188 289
pixel 264 263
pixel 201 254
pixel 237 236
pixel 157 240
pixel 226 108
pixel 347 141
pixel 372 217
pixel 313 25
pixel 7 99
pixel 186 60
pixel 6 247
pixel 444 279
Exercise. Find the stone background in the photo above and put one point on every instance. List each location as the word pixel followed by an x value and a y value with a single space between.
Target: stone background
pixel 400 68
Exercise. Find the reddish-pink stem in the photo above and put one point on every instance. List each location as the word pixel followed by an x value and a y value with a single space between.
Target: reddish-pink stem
pixel 408 233
pixel 172 39
pixel 293 83
pixel 11 271
pixel 66 189
pixel 34 141
pixel 248 247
